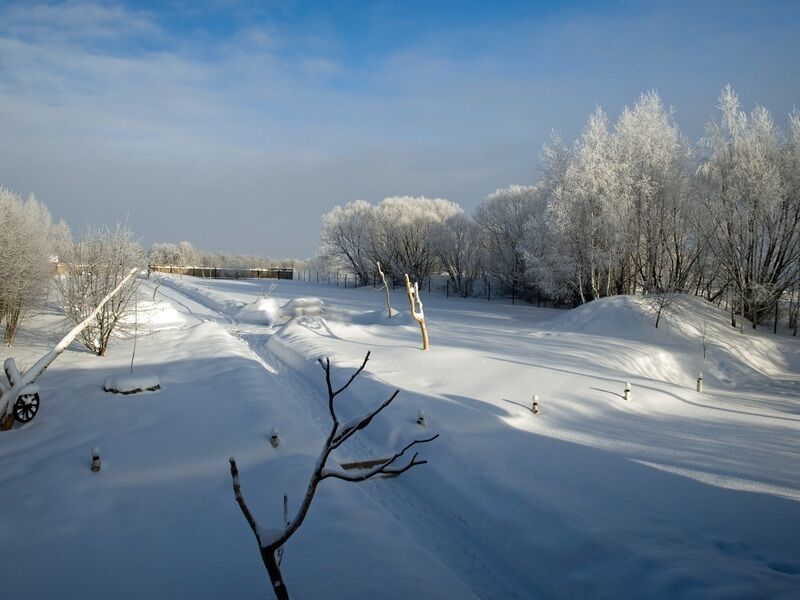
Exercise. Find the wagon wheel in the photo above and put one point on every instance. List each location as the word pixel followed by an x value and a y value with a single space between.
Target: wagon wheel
pixel 26 407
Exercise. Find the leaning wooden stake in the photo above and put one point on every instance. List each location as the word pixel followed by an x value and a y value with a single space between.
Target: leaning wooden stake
pixel 385 287
pixel 11 386
pixel 415 303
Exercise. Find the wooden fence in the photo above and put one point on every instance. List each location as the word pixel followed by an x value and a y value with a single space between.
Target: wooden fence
pixel 225 272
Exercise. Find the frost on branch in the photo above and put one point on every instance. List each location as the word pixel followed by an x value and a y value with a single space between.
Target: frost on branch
pixel 270 541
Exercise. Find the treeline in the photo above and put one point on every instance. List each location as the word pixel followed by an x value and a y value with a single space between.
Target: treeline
pixel 628 208
pixel 183 254
pixel 38 255
pixel 29 242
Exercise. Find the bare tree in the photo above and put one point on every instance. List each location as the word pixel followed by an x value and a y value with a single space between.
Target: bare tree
pixel 270 541
pixel 662 302
pixel 96 266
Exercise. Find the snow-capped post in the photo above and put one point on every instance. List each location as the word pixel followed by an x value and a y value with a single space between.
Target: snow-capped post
pixel 415 302
pixel 628 391
pixel 535 405
pixel 11 386
pixel 273 438
pixel 421 418
pixel 270 541
pixel 700 382
pixel 95 459
pixel 385 287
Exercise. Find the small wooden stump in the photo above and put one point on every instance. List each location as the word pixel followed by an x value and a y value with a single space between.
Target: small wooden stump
pixel 96 460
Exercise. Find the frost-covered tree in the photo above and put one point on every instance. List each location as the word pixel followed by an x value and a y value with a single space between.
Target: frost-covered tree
pixel 25 248
pixel 404 229
pixel 653 166
pixel 588 212
pixel 347 237
pixel 94 267
pixel 176 255
pixel 748 184
pixel 455 241
pixel 61 238
pixel 501 220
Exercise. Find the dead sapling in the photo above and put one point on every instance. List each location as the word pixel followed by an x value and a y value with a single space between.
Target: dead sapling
pixel 270 541
pixel 415 304
pixel 385 287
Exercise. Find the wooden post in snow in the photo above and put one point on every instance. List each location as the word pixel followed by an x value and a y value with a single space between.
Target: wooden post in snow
pixel 385 287
pixel 415 303
pixel 11 386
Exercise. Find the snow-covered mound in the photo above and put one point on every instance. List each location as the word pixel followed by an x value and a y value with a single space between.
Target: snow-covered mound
pixel 264 311
pixel 310 307
pixel 131 383
pixel 693 336
pixel 381 317
pixel 155 315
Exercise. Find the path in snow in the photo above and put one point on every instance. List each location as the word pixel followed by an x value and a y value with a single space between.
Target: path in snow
pixel 447 538
pixel 680 492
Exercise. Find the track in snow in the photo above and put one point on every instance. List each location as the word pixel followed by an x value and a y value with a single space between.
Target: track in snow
pixel 441 534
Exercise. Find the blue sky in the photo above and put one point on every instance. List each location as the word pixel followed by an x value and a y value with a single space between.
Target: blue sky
pixel 236 125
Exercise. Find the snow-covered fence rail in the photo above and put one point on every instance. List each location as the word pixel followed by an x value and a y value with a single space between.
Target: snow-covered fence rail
pixel 12 386
pixel 225 272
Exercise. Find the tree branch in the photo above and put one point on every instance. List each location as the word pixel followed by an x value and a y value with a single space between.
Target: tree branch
pixel 359 424
pixel 237 492
pixel 382 468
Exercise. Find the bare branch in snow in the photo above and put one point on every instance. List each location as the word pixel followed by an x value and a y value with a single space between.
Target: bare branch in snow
pixel 271 541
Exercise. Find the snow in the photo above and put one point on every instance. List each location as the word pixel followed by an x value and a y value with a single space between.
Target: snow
pixel 264 311
pixel 130 383
pixel 675 494
pixel 298 307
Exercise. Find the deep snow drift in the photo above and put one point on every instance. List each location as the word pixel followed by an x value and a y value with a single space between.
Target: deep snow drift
pixel 674 494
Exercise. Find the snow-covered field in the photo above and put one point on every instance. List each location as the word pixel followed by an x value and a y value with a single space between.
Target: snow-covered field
pixel 676 494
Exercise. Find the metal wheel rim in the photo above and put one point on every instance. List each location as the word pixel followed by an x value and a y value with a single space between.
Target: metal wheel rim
pixel 26 407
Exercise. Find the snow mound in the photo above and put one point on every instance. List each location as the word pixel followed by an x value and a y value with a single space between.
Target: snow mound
pixel 309 307
pixel 264 311
pixel 156 315
pixel 129 383
pixel 628 317
pixel 381 317
pixel 689 326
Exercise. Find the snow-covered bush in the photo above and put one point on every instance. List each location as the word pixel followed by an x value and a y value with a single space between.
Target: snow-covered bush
pixel 94 267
